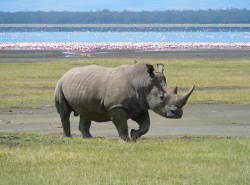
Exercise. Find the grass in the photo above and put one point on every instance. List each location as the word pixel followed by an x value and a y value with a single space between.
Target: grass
pixel 32 84
pixel 42 159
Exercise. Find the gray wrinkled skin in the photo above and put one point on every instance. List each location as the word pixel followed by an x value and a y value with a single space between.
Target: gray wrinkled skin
pixel 116 94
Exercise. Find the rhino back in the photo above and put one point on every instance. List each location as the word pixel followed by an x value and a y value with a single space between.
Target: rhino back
pixel 84 88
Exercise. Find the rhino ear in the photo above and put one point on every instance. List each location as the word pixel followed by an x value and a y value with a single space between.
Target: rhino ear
pixel 150 69
pixel 175 90
pixel 160 68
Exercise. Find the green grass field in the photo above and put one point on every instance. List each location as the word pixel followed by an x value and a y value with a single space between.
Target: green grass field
pixel 32 84
pixel 40 159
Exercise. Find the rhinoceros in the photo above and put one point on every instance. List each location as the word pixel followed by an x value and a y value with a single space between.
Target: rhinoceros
pixel 117 94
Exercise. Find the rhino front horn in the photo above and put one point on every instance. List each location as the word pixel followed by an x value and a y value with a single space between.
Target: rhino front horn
pixel 182 100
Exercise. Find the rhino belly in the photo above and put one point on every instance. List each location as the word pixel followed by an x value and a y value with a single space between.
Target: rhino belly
pixel 88 105
pixel 95 116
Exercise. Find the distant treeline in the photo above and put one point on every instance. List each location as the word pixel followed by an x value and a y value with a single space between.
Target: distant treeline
pixel 229 16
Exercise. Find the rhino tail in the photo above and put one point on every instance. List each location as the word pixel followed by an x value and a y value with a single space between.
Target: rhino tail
pixel 61 103
pixel 58 97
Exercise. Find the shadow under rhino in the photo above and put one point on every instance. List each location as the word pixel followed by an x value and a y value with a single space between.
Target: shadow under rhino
pixel 103 94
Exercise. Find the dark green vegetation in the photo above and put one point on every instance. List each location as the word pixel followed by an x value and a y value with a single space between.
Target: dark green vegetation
pixel 42 159
pixel 229 16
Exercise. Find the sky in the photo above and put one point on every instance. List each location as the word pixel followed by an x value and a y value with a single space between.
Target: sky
pixel 119 5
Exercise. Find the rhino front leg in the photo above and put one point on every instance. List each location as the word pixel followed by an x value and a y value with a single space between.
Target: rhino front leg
pixel 119 118
pixel 84 126
pixel 144 124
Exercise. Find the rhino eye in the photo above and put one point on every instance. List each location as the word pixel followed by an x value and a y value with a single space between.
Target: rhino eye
pixel 162 97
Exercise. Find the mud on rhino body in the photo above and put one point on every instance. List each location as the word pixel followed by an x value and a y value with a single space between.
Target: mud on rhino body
pixel 116 94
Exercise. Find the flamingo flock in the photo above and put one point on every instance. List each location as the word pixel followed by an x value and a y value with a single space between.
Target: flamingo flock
pixel 85 48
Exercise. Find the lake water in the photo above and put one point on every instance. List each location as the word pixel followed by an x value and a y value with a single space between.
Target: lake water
pixel 134 37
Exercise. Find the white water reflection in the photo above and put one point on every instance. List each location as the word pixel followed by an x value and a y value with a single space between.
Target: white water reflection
pixel 93 37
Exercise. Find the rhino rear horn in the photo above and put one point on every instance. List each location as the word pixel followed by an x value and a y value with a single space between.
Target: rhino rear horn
pixel 160 68
pixel 182 100
pixel 172 90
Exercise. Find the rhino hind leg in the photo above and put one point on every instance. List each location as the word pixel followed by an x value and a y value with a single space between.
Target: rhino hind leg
pixel 144 124
pixel 64 111
pixel 84 126
pixel 65 115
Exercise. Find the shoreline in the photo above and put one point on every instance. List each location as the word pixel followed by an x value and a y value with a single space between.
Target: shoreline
pixel 30 56
pixel 124 27
pixel 90 50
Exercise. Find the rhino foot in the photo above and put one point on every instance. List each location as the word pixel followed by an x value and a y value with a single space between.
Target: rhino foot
pixel 134 135
pixel 124 139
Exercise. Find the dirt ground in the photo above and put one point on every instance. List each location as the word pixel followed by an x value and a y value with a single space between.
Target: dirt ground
pixel 204 119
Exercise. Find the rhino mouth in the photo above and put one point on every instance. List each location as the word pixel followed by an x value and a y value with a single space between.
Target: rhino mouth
pixel 174 114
